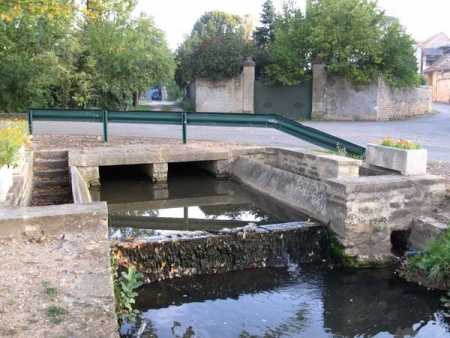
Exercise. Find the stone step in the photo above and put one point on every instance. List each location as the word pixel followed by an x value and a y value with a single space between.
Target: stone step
pixel 45 164
pixel 51 183
pixel 51 174
pixel 51 200
pixel 51 154
pixel 51 178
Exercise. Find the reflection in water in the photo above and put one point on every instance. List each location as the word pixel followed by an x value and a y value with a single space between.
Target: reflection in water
pixel 303 302
pixel 191 200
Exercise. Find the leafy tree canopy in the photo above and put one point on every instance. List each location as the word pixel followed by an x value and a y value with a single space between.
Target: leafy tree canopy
pixel 215 49
pixel 353 38
pixel 93 54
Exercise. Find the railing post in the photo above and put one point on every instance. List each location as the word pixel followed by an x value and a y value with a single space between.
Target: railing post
pixel 30 122
pixel 105 126
pixel 183 126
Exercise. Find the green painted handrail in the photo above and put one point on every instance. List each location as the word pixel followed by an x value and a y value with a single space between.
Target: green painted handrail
pixel 184 119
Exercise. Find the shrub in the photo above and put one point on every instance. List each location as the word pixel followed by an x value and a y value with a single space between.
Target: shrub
pixel 13 135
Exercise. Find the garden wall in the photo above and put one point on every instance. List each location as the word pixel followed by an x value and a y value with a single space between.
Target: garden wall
pixel 235 95
pixel 335 98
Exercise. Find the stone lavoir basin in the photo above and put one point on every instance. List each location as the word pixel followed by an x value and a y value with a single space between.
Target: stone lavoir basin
pixel 285 300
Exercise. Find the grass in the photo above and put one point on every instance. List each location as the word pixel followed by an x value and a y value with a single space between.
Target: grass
pixel 6 331
pixel 56 314
pixel 341 152
pixel 50 292
pixel 436 260
pixel 143 107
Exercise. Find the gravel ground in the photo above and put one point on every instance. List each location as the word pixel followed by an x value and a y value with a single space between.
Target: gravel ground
pixel 30 280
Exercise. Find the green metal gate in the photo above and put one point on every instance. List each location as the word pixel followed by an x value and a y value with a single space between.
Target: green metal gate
pixel 292 102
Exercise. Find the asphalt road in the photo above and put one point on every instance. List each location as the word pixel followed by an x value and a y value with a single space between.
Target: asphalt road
pixel 432 131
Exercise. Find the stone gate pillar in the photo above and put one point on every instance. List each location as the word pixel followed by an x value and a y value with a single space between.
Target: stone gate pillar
pixel 318 89
pixel 248 86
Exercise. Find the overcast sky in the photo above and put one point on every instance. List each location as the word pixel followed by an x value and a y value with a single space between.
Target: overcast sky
pixel 422 18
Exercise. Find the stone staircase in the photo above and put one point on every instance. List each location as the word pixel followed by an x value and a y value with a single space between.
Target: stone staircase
pixel 51 178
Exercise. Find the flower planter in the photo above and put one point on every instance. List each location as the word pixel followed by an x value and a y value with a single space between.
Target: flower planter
pixel 6 181
pixel 408 162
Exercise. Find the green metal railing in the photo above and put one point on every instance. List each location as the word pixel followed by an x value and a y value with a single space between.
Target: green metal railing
pixel 184 119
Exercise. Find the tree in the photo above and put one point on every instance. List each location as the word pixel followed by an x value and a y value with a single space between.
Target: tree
pixel 346 34
pixel 265 34
pixel 53 57
pixel 13 9
pixel 215 49
pixel 289 58
pixel 399 64
pixel 130 56
pixel 353 38
pixel 25 35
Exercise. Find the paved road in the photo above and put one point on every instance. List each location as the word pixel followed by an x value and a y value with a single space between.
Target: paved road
pixel 432 131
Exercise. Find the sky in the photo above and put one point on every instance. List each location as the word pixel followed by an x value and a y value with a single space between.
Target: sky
pixel 422 18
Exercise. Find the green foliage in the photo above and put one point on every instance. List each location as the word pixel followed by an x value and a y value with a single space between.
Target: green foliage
pixel 337 252
pixel 423 80
pixel 436 260
pixel 97 57
pixel 215 49
pixel 398 65
pixel 287 58
pixel 124 286
pixel 265 34
pixel 346 34
pixel 353 38
pixel 13 135
pixel 50 292
pixel 56 314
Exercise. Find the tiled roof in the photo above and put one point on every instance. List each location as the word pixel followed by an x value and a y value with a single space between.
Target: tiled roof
pixel 436 40
pixel 442 64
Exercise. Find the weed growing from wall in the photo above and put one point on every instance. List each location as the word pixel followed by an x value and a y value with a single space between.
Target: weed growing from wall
pixel 124 286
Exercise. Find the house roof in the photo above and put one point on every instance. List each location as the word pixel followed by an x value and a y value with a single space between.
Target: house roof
pixel 435 41
pixel 432 51
pixel 440 65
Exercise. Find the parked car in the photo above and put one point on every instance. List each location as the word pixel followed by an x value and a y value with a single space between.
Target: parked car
pixel 156 96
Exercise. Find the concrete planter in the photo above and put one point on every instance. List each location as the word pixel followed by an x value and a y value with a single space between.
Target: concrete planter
pixel 6 181
pixel 408 162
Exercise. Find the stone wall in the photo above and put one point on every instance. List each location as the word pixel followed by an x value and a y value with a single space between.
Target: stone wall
pixel 234 95
pixel 335 98
pixel 362 210
pixel 395 104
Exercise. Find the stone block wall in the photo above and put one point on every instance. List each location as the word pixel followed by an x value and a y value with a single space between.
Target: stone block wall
pixel 312 165
pixel 335 98
pixel 395 103
pixel 363 211
pixel 235 95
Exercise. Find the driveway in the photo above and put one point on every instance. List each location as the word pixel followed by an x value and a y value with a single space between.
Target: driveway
pixel 432 131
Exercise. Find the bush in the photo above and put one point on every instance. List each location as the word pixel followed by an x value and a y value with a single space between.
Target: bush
pixel 13 135
pixel 436 260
